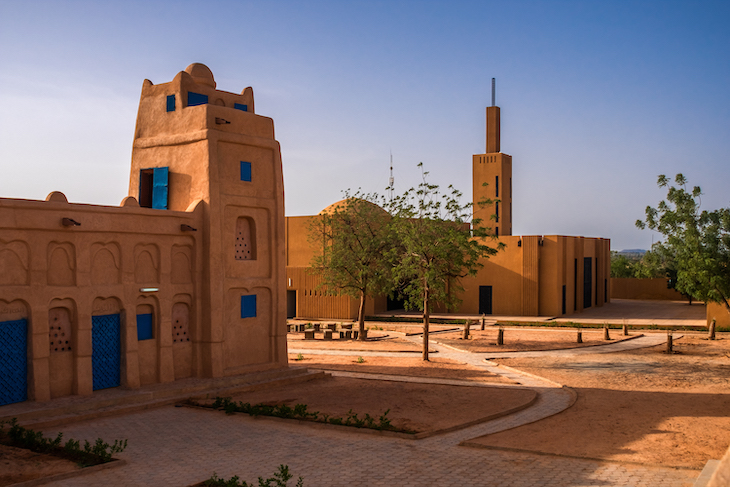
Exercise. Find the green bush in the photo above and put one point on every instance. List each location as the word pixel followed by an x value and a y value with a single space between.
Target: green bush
pixel 99 452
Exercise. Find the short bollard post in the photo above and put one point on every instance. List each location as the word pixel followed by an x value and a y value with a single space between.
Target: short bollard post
pixel 711 330
pixel 500 336
pixel 466 329
pixel 670 344
pixel 482 322
pixel 626 329
pixel 579 338
pixel 606 335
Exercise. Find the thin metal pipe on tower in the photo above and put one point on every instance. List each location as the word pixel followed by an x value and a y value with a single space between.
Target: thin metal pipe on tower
pixel 493 92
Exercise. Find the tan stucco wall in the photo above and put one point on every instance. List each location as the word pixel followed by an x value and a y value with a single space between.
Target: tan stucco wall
pixel 187 254
pixel 719 313
pixel 631 288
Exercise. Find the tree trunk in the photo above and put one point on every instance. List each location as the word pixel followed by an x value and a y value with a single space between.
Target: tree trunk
pixel 361 335
pixel 425 321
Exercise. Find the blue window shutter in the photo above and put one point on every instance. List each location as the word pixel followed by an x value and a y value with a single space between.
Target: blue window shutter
pixel 159 188
pixel 245 171
pixel 248 306
pixel 144 327
pixel 171 103
pixel 238 106
pixel 195 99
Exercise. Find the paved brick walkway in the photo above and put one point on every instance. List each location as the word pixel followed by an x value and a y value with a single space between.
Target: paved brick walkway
pixel 181 446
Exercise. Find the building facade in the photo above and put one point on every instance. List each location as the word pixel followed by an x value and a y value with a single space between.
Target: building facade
pixel 552 275
pixel 185 278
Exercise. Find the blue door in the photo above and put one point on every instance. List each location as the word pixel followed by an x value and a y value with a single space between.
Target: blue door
pixel 13 361
pixel 106 351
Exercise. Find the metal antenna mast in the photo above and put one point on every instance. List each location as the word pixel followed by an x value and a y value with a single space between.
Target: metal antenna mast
pixel 493 93
pixel 391 181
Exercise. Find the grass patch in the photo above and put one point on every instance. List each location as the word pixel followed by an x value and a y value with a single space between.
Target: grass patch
pixel 86 456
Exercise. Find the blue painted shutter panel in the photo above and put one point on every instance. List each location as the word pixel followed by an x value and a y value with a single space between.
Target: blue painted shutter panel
pixel 248 306
pixel 159 188
pixel 13 362
pixel 195 99
pixel 245 171
pixel 171 103
pixel 144 327
pixel 239 106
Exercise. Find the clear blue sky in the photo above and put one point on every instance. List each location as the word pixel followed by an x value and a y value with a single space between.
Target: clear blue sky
pixel 597 97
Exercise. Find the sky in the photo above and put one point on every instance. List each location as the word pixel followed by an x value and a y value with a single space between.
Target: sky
pixel 597 97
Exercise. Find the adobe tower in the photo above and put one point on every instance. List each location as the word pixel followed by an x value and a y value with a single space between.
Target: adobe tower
pixel 495 169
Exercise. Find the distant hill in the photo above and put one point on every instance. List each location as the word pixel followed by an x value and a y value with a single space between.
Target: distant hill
pixel 632 251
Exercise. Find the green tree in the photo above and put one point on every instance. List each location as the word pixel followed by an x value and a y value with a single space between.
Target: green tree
pixel 355 249
pixel 436 247
pixel 696 242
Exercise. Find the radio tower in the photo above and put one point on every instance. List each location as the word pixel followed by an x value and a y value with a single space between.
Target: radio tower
pixel 391 180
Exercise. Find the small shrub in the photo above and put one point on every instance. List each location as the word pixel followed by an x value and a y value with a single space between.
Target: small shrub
pixel 99 452
pixel 360 360
pixel 300 356
pixel 280 479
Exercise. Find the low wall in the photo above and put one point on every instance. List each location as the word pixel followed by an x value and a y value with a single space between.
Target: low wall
pixel 717 312
pixel 631 288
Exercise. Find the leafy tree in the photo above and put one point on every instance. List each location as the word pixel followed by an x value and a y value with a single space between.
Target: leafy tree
pixel 697 243
pixel 621 265
pixel 436 246
pixel 355 249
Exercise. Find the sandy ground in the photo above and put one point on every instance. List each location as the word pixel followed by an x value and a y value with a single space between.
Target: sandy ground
pixel 19 465
pixel 523 340
pixel 421 408
pixel 409 366
pixel 642 406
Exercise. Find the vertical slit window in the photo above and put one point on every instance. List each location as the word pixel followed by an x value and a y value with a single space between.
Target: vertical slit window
pixel 245 171
pixel 496 212
pixel 171 103
pixel 496 186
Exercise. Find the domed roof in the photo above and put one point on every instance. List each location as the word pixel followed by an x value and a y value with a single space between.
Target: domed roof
pixel 342 204
pixel 201 74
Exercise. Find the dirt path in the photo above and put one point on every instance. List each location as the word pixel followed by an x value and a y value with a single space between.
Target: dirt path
pixel 639 406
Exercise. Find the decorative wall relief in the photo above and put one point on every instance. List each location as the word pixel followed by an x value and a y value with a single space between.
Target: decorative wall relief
pixel 59 330
pixel 182 258
pixel 146 262
pixel 106 263
pixel 245 248
pixel 14 263
pixel 61 264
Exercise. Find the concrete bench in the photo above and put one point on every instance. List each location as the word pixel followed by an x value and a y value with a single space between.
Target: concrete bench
pixel 309 335
pixel 328 334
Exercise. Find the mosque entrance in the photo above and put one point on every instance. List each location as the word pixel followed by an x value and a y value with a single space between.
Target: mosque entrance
pixel 485 300
pixel 291 303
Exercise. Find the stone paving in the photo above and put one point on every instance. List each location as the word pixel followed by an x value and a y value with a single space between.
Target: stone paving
pixel 181 446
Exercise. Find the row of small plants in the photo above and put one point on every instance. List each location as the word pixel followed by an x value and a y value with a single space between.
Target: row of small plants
pixel 300 412
pixel 613 326
pixel 88 455
pixel 280 479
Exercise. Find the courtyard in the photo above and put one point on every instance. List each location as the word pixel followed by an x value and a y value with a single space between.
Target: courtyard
pixel 540 410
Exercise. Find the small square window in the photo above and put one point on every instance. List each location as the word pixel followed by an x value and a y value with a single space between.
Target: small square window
pixel 144 327
pixel 171 103
pixel 248 306
pixel 238 106
pixel 245 171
